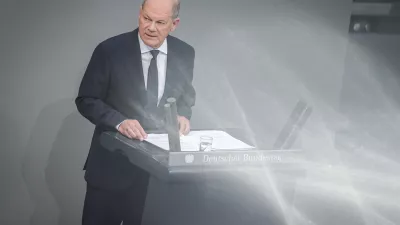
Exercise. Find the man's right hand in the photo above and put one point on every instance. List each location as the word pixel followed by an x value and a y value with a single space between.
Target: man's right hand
pixel 132 129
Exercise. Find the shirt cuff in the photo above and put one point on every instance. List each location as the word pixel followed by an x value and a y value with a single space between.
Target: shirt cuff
pixel 117 127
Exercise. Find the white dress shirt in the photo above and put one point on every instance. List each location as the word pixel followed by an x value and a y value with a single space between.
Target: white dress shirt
pixel 161 64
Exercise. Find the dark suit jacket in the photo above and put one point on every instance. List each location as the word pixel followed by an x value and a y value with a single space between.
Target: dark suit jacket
pixel 112 90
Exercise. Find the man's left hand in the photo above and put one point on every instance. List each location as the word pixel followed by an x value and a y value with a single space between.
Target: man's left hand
pixel 184 125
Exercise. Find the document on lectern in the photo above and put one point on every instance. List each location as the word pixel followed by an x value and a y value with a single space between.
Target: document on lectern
pixel 191 142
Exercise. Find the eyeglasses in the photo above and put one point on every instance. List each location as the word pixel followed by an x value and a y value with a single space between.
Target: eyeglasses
pixel 158 23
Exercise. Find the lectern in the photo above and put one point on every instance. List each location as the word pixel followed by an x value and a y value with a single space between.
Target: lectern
pixel 219 187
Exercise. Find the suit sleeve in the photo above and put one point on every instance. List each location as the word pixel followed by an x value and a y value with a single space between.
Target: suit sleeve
pixel 188 98
pixel 93 90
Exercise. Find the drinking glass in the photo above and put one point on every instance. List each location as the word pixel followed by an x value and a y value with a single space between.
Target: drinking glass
pixel 205 143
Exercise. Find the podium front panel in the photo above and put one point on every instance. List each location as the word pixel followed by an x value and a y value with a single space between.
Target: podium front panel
pixel 229 187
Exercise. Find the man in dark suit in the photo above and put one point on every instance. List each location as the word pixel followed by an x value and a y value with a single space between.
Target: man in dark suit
pixel 125 86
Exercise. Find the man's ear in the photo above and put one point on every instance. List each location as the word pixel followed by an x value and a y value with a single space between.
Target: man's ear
pixel 175 24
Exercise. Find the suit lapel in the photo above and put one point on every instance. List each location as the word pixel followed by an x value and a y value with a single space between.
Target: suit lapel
pixel 172 74
pixel 135 68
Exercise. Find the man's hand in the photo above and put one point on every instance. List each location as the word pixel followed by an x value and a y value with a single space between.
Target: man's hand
pixel 132 129
pixel 184 125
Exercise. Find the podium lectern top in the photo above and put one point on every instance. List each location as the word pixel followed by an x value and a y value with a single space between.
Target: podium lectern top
pixel 189 166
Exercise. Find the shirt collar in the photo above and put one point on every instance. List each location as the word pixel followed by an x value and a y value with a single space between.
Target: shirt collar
pixel 145 48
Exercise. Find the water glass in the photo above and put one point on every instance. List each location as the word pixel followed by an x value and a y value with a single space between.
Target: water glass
pixel 205 143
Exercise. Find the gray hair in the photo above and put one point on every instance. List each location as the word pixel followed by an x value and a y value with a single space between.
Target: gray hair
pixel 175 8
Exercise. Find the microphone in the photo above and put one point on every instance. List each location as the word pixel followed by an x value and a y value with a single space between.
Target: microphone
pixel 295 123
pixel 171 126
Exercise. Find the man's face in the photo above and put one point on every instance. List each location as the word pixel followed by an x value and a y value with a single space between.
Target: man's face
pixel 156 22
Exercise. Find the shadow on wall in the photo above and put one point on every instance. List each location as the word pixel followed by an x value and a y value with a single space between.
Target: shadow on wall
pixel 12 195
pixel 53 162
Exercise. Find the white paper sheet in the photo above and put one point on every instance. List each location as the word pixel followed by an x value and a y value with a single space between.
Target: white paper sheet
pixel 191 142
pixel 161 140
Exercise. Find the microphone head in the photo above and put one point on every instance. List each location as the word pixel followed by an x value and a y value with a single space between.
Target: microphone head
pixel 171 100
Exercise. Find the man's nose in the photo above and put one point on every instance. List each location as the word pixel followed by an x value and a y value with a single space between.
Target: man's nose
pixel 152 26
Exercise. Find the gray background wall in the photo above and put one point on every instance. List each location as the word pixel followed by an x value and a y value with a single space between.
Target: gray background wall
pixel 255 60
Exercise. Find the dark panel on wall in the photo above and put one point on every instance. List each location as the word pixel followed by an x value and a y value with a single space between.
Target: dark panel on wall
pixel 375 17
